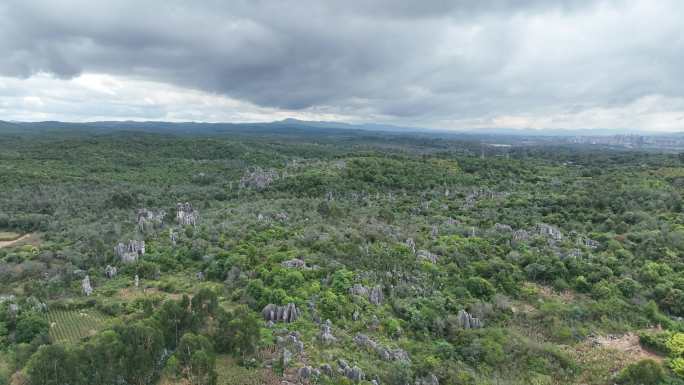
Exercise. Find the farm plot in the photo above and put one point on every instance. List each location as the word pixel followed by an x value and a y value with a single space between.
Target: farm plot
pixel 67 326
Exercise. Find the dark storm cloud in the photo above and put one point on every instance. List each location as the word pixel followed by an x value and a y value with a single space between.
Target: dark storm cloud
pixel 406 59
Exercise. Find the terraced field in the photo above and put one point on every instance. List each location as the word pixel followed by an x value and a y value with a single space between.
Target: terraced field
pixel 68 326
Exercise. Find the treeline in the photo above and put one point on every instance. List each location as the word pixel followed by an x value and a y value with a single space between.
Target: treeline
pixel 180 338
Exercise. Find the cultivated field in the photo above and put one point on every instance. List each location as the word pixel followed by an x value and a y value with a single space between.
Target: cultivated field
pixel 68 326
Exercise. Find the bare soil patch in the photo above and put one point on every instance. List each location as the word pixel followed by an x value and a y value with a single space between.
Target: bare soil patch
pixel 22 239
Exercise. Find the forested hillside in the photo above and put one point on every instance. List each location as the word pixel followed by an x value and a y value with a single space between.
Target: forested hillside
pixel 336 257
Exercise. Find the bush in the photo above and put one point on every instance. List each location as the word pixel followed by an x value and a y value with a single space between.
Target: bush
pixel 644 372
pixel 30 327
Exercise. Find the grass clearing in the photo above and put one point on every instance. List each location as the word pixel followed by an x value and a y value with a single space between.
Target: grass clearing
pixel 6 236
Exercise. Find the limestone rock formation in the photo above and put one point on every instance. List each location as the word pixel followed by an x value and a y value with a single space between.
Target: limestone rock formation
pixel 326 369
pixel 359 290
pixel 326 336
pixel 286 358
pixel 549 231
pixel 467 321
pixel 291 341
pixel 287 313
pixel 430 379
pixel 376 296
pixel 130 252
pixel 186 215
pixel 85 285
pixel 294 264
pixel 304 373
pixel 411 245
pixel 383 352
pixel 110 271
pixel 588 242
pixel 258 179
pixel 355 374
pixel 503 228
pixel 149 220
pixel 427 256
pixel 521 235
pixel 451 222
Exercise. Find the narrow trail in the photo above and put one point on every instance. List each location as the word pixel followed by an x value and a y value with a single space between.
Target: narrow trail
pixel 10 243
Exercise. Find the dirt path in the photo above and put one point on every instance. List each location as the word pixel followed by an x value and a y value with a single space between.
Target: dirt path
pixel 10 243
pixel 628 344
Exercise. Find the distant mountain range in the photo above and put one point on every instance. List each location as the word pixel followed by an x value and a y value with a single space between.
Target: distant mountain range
pixel 293 126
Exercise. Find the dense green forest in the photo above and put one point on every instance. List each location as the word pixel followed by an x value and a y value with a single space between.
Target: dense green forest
pixel 336 258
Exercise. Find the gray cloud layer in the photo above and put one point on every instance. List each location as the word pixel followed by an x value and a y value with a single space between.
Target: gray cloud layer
pixel 429 62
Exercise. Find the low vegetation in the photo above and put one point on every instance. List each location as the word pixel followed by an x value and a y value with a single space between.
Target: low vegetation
pixel 337 258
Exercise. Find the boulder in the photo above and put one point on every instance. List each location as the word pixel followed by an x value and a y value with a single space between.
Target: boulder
pixel 304 373
pixel 376 296
pixel 326 369
pixel 186 215
pixel 326 335
pixel 286 358
pixel 294 264
pixel 110 271
pixel 355 374
pixel 430 379
pixel 359 290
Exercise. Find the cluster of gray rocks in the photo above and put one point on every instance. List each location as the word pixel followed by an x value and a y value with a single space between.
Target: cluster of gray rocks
pixel 274 313
pixel 374 295
pixel 385 354
pixel 131 251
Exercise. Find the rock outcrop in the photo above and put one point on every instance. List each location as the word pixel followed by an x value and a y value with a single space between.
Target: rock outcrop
pixel 353 373
pixel 430 379
pixel 287 313
pixel 411 245
pixel 503 228
pixel 551 232
pixel 520 236
pixel 326 336
pixel 383 352
pixel 110 271
pixel 130 252
pixel 359 290
pixel 186 215
pixel 467 321
pixel 291 341
pixel 294 264
pixel 85 285
pixel 326 369
pixel 427 256
pixel 258 179
pixel 374 295
pixel 149 220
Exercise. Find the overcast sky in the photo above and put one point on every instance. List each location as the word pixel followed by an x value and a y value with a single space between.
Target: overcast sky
pixel 449 64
